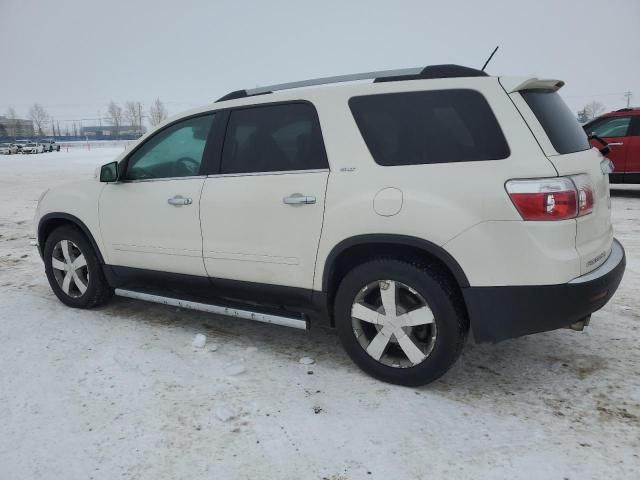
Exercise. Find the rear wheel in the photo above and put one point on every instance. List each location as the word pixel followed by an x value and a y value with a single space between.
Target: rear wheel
pixel 400 322
pixel 73 269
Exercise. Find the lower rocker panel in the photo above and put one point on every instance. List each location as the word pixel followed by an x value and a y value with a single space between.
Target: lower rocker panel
pixel 299 323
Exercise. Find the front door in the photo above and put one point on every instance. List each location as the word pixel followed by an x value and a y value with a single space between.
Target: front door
pixel 633 149
pixel 614 131
pixel 262 215
pixel 151 219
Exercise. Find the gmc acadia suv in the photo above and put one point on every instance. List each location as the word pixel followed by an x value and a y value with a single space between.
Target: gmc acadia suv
pixel 402 212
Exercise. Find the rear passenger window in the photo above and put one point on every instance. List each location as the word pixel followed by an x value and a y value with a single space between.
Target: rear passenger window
pixel 437 126
pixel 273 138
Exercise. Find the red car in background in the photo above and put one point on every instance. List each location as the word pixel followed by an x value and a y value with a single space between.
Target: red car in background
pixel 621 131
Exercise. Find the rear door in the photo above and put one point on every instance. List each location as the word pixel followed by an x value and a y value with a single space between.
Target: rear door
pixel 614 131
pixel 567 147
pixel 262 214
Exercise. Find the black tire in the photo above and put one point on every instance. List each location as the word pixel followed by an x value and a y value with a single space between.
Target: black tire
pixel 97 290
pixel 440 296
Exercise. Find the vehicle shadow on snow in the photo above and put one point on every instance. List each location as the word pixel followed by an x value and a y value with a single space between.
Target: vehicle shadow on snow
pixel 510 367
pixel 320 344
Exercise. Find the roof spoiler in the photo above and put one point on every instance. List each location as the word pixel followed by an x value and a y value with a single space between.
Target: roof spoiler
pixel 517 84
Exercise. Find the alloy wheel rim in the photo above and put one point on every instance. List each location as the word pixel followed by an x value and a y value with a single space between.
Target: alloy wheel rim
pixel 70 268
pixel 393 324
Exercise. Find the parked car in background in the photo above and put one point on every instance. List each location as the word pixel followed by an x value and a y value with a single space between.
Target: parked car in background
pixel 20 144
pixel 33 147
pixel 8 148
pixel 50 145
pixel 621 130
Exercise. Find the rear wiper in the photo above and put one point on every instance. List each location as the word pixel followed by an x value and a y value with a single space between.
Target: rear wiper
pixel 605 150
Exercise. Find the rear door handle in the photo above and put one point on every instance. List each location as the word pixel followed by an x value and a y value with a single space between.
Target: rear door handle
pixel 179 200
pixel 299 199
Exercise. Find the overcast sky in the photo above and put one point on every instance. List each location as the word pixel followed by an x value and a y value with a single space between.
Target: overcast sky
pixel 74 56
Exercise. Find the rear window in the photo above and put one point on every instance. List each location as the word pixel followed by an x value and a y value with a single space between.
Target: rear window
pixel 559 123
pixel 437 126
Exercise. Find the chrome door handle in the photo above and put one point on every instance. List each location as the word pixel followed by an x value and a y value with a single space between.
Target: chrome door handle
pixel 299 199
pixel 179 200
pixel 615 144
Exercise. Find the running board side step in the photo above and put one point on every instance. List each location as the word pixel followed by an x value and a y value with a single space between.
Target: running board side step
pixel 217 309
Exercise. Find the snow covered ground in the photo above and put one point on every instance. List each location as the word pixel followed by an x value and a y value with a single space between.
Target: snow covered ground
pixel 121 392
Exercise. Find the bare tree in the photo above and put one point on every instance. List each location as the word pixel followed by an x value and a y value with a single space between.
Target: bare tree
pixel 157 112
pixel 133 114
pixel 591 110
pixel 12 116
pixel 114 113
pixel 39 117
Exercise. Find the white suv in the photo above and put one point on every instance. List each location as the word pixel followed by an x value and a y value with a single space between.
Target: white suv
pixel 402 212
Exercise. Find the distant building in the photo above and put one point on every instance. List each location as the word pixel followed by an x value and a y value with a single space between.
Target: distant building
pixel 15 127
pixel 109 132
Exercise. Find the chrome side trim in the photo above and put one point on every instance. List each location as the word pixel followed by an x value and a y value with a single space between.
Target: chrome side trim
pixel 219 310
pixel 336 79
pixel 162 179
pixel 256 174
pixel 615 257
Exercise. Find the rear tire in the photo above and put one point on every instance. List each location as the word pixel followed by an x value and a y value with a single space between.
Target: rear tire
pixel 423 335
pixel 73 269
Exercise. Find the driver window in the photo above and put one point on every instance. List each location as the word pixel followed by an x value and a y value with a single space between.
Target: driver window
pixel 612 127
pixel 174 152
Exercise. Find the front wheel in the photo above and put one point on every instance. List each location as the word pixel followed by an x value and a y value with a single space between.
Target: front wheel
pixel 73 269
pixel 400 322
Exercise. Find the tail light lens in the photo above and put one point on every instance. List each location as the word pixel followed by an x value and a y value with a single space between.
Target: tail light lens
pixel 585 194
pixel 559 198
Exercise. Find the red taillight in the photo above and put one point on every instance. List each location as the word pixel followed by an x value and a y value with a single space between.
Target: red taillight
pixel 560 198
pixel 585 194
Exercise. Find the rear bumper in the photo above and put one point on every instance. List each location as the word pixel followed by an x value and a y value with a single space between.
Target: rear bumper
pixel 499 313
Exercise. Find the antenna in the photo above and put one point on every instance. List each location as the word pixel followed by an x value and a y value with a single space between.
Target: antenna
pixel 490 57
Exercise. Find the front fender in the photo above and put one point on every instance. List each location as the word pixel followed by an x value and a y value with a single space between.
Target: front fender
pixel 76 203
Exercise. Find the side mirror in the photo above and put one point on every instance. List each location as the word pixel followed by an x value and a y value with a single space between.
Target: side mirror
pixel 109 172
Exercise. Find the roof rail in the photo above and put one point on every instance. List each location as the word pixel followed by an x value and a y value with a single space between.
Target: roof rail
pixel 417 73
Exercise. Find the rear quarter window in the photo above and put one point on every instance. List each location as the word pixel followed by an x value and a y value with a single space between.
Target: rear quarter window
pixel 558 121
pixel 436 126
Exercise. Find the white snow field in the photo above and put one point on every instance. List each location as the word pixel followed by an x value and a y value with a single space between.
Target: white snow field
pixel 121 392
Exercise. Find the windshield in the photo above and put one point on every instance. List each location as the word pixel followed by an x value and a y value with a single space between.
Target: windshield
pixel 5 144
pixel 30 145
pixel 559 123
